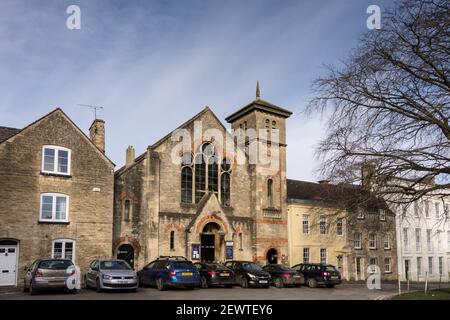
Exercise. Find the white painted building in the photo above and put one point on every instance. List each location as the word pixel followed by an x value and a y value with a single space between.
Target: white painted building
pixel 423 239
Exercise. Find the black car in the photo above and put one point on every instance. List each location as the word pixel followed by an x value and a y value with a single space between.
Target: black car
pixel 319 274
pixel 249 274
pixel 214 274
pixel 282 275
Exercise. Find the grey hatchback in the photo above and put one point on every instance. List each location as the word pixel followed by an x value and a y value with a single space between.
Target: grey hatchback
pixel 111 274
pixel 49 274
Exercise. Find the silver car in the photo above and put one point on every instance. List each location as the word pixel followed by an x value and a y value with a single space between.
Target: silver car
pixel 111 275
pixel 49 274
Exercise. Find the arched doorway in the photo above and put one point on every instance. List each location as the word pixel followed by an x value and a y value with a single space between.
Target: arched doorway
pixel 9 257
pixel 272 256
pixel 126 252
pixel 211 242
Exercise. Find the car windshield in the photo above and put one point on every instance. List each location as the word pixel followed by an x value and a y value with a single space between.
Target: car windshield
pixel 330 268
pixel 182 265
pixel 217 266
pixel 55 264
pixel 114 265
pixel 250 266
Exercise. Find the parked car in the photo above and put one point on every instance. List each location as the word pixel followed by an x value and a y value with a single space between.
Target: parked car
pixel 249 274
pixel 319 274
pixel 110 275
pixel 214 274
pixel 170 271
pixel 51 274
pixel 282 275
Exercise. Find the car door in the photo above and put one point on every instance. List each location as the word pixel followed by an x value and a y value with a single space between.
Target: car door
pixel 238 271
pixel 95 272
pixel 145 273
pixel 89 273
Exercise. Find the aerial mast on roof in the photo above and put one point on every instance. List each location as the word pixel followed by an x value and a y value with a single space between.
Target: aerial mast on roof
pixel 95 108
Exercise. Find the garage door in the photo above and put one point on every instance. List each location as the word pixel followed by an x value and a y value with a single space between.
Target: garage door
pixel 8 265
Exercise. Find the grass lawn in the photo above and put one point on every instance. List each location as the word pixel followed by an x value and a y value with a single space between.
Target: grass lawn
pixel 443 294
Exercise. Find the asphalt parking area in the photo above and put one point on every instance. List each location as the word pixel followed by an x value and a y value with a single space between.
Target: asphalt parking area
pixel 341 292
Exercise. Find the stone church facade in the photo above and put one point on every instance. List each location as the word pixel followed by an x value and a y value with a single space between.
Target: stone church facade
pixel 208 206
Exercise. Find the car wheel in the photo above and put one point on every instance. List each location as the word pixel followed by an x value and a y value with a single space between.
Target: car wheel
pixel 229 286
pixel 244 282
pixel 160 284
pixel 73 291
pixel 330 285
pixel 203 283
pixel 33 291
pixel 98 287
pixel 191 287
pixel 279 283
pixel 312 283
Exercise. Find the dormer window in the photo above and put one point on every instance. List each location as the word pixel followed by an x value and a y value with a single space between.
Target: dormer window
pixel 55 160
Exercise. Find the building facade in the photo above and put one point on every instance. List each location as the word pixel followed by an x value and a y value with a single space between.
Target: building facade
pixel 423 237
pixel 342 226
pixel 208 206
pixel 56 195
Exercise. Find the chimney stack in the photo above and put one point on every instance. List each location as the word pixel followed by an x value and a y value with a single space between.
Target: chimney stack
pixel 129 156
pixel 368 173
pixel 97 134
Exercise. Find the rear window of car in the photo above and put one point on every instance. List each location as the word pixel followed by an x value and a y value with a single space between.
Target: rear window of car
pixel 181 264
pixel 55 264
pixel 282 268
pixel 114 265
pixel 329 268
pixel 216 266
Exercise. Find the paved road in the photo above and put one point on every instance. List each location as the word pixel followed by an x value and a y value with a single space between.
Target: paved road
pixel 342 292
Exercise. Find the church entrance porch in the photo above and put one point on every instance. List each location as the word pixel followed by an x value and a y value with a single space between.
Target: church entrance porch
pixel 212 243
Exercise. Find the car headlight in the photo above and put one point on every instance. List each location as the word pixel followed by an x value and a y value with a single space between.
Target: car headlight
pixel 107 277
pixel 252 276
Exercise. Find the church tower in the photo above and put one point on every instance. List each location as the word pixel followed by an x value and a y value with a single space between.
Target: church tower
pixel 265 127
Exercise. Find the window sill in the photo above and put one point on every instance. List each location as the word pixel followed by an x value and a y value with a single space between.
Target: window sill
pixel 373 248
pixel 53 174
pixel 54 222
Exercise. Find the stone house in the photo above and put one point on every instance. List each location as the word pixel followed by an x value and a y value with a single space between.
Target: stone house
pixel 341 225
pixel 56 194
pixel 208 206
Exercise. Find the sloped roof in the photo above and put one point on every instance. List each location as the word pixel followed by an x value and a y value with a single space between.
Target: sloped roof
pixel 167 136
pixel 333 194
pixel 68 119
pixel 260 105
pixel 6 132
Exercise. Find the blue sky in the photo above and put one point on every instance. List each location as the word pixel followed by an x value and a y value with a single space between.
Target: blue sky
pixel 154 64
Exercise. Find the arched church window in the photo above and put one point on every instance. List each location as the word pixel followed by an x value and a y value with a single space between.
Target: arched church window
pixel 213 174
pixel 267 127
pixel 270 192
pixel 126 209
pixel 225 182
pixel 186 178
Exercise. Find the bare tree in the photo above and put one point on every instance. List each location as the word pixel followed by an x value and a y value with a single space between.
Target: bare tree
pixel 389 105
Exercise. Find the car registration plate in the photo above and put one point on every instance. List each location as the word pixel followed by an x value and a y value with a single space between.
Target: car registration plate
pixel 296 276
pixel 186 273
pixel 56 282
pixel 263 281
pixel 122 281
pixel 224 274
pixel 334 278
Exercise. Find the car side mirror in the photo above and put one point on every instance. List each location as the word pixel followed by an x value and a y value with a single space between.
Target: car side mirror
pixel 26 268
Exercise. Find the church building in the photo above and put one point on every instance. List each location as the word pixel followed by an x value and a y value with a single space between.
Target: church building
pixel 217 203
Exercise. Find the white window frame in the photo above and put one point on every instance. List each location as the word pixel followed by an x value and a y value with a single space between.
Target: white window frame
pixel 373 266
pixel 305 223
pixel 406 238
pixel 361 214
pixel 63 253
pixel 323 225
pixel 54 195
pixel 323 259
pixel 389 265
pixel 57 149
pixel 418 238
pixel 306 250
pixel 382 214
pixel 430 265
pixel 374 246
pixel 429 243
pixel 388 238
pixel 359 240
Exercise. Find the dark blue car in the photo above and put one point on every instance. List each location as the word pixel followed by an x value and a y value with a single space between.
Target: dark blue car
pixel 317 274
pixel 170 272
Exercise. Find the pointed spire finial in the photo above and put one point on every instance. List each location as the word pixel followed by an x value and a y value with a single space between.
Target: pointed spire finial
pixel 258 92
